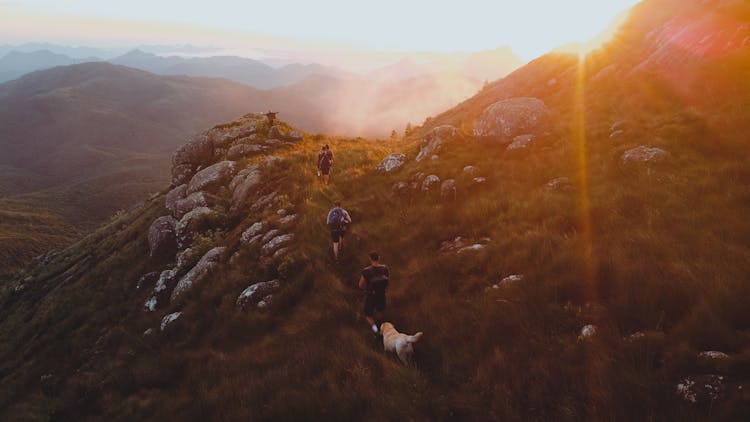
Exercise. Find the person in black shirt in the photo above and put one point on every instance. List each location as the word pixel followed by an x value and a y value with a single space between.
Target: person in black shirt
pixel 325 162
pixel 374 281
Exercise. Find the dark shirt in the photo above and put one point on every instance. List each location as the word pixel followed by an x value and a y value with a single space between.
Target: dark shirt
pixel 376 278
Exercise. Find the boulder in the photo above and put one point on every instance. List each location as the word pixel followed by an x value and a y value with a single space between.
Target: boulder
pixel 212 177
pixel 479 180
pixel 448 189
pixel 588 331
pixel 162 239
pixel 221 136
pixel 520 142
pixel 241 151
pixel 287 220
pixel 507 119
pixel 430 182
pixel 186 159
pixel 277 242
pixel 391 163
pixel 196 221
pixel 171 198
pixel 242 186
pixel 270 235
pixel 256 292
pixel 713 354
pixel 264 201
pixel 169 319
pixel 434 140
pixel 191 202
pixel 150 304
pixel 470 170
pixel 207 263
pixel 251 232
pixel 643 156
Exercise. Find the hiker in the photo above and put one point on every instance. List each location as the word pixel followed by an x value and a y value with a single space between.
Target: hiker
pixel 325 162
pixel 337 220
pixel 271 115
pixel 373 281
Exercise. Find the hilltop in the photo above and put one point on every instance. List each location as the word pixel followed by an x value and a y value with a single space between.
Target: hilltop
pixel 572 241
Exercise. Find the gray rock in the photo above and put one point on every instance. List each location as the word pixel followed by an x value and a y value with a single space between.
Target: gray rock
pixel 212 177
pixel 430 182
pixel 162 239
pixel 171 198
pixel 243 186
pixel 270 235
pixel 281 253
pixel 256 292
pixel 520 142
pixel 448 189
pixel 713 354
pixel 479 180
pixel 191 202
pixel 196 221
pixel 470 170
pixel 287 220
pixel 616 134
pixel 169 319
pixel 194 153
pixel 588 331
pixel 251 232
pixel 400 188
pixel 264 201
pixel 644 156
pixel 241 151
pixel 221 136
pixel 150 304
pixel 507 119
pixel 701 388
pixel 434 140
pixel 277 242
pixel 207 263
pixel 181 173
pixel 391 163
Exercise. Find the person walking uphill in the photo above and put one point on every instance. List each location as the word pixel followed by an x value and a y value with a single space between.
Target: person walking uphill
pixel 325 162
pixel 337 220
pixel 374 281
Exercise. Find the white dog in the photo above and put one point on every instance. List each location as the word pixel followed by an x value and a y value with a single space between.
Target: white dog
pixel 399 343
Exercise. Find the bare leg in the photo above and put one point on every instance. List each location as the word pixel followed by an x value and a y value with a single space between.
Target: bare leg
pixel 336 251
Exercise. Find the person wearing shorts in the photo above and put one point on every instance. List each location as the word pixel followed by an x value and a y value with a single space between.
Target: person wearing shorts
pixel 337 220
pixel 374 281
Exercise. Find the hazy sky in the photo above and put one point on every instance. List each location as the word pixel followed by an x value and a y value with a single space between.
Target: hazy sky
pixel 529 27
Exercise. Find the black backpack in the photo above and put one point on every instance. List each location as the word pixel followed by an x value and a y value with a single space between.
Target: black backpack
pixel 379 280
pixel 336 218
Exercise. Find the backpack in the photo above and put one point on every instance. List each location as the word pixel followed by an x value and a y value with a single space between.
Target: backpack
pixel 328 158
pixel 379 280
pixel 336 218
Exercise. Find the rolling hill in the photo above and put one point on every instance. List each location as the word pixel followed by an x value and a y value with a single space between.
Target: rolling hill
pixel 572 241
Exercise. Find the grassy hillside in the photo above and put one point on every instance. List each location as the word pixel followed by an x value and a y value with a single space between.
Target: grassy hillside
pixel 651 256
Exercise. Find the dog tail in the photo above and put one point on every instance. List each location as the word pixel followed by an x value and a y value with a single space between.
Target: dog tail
pixel 415 338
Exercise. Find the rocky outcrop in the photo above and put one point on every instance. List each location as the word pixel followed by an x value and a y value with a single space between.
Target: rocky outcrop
pixel 391 163
pixel 507 119
pixel 207 263
pixel 434 140
pixel 162 239
pixel 194 153
pixel 277 242
pixel 171 198
pixel 191 202
pixel 212 177
pixel 196 221
pixel 241 151
pixel 257 292
pixel 252 231
pixel 520 142
pixel 643 156
pixel 169 319
pixel 243 185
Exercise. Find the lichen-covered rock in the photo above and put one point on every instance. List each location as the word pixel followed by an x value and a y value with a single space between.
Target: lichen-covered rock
pixel 162 239
pixel 241 151
pixel 270 235
pixel 242 187
pixel 221 136
pixel 507 119
pixel 448 189
pixel 287 220
pixel 588 331
pixel 207 263
pixel 391 163
pixel 171 198
pixel 197 221
pixel 191 202
pixel 186 159
pixel 520 142
pixel 169 319
pixel 643 156
pixel 430 182
pixel 252 231
pixel 434 140
pixel 212 177
pixel 256 292
pixel 277 242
